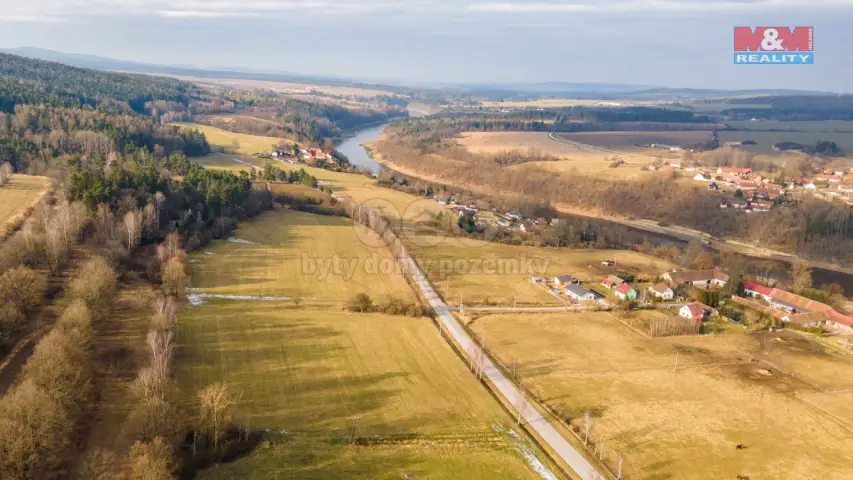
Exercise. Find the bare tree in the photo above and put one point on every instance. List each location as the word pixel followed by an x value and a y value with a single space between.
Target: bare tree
pixel 216 410
pixel 55 246
pixel 587 426
pixel 159 200
pixel 162 348
pixel 132 223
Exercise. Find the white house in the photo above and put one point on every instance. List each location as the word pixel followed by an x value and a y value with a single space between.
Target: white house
pixel 561 280
pixel 578 293
pixel 694 311
pixel 662 291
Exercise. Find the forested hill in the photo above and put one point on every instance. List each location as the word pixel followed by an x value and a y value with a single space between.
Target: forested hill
pixel 26 80
pixel 49 111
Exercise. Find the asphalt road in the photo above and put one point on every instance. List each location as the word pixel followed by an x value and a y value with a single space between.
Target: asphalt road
pixel 531 416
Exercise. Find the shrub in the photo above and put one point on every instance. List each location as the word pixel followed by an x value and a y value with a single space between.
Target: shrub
pixel 34 432
pixel 95 284
pixel 23 287
pixel 151 460
pixel 360 303
pixel 174 276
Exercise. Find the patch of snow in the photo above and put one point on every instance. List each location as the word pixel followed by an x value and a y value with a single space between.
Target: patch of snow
pixel 530 458
pixel 198 298
pixel 194 260
pixel 240 240
pixel 535 463
pixel 246 163
pixel 209 253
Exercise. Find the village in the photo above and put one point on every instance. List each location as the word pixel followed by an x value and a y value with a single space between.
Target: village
pixel 684 291
pixel 753 193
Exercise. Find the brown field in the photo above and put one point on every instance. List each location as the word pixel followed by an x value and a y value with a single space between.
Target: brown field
pixel 628 140
pixel 583 158
pixel 17 196
pixel 559 102
pixel 685 423
pixel 287 87
pixel 498 274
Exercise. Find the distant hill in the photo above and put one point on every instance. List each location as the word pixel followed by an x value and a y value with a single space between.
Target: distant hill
pixel 104 63
pixel 28 80
pixel 600 91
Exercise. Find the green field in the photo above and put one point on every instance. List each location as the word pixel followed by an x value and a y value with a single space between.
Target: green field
pixel 684 423
pixel 766 140
pixel 313 376
pixel 321 260
pixel 245 144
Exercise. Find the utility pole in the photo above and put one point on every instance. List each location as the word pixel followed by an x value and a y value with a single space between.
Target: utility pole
pixel 521 403
pixel 619 468
pixel 675 367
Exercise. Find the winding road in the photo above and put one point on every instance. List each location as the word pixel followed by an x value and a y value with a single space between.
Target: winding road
pixel 531 416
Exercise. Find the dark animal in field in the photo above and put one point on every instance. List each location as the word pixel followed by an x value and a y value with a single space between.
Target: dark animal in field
pixel 740 446
pixel 742 477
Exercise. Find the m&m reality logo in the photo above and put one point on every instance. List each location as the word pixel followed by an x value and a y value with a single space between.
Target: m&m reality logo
pixel 774 45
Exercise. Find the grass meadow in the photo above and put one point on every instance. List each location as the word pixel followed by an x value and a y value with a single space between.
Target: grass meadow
pixel 245 144
pixel 16 196
pixel 684 423
pixel 313 376
pixel 322 260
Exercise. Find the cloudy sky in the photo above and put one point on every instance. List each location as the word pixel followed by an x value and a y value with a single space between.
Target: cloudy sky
pixel 670 43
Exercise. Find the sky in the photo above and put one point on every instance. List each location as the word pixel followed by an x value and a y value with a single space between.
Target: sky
pixel 664 43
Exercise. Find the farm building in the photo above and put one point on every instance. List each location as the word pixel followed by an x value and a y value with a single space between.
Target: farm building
pixel 662 291
pixel 561 280
pixel 625 292
pixel 695 311
pixel 740 172
pixel 795 308
pixel 697 278
pixel 577 292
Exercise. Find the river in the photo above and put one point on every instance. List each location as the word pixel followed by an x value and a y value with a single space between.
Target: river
pixel 353 149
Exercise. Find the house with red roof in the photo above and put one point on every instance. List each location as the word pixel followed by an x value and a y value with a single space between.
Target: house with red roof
pixel 796 308
pixel 695 311
pixel 625 292
pixel 740 172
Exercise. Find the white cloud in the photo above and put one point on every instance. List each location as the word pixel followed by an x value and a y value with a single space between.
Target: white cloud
pixel 51 10
pixel 633 6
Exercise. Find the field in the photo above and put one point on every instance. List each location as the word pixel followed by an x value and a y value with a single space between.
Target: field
pixel 21 193
pixel 314 377
pixel 245 144
pixel 765 140
pixel 628 140
pixel 320 259
pixel 583 158
pixel 498 274
pixel 666 422
pixel 558 103
pixel 292 88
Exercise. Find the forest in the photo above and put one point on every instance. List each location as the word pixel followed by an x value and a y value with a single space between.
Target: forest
pixel 25 80
pixel 269 113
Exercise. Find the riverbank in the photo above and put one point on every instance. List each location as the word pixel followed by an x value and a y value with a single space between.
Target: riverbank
pixel 674 231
